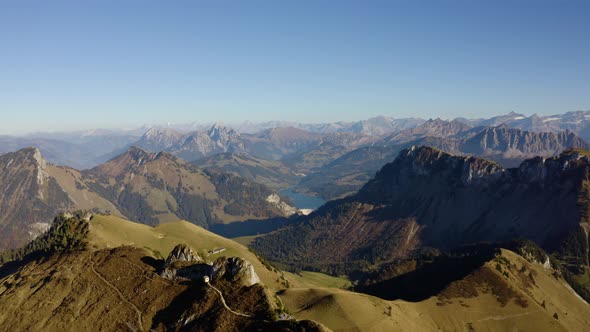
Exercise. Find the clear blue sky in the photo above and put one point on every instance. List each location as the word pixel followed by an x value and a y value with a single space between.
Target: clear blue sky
pixel 83 64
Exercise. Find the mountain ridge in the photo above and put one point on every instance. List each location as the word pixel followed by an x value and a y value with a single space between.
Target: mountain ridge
pixel 149 187
pixel 427 198
pixel 507 146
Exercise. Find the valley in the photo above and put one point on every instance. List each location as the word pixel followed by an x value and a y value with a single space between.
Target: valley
pixel 406 230
pixel 294 166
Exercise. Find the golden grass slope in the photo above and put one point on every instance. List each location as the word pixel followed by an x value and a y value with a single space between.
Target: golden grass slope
pixel 308 279
pixel 342 310
pixel 314 296
pixel 111 231
pixel 84 199
pixel 120 290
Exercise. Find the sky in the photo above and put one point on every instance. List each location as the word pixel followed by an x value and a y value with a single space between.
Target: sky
pixel 67 65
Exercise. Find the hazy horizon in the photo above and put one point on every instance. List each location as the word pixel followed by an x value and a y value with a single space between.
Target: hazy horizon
pixel 186 126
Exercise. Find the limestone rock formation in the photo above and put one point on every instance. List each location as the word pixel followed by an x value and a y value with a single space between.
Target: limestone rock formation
pixel 183 263
pixel 183 253
pixel 235 269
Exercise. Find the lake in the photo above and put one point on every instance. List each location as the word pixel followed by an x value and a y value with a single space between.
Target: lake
pixel 302 201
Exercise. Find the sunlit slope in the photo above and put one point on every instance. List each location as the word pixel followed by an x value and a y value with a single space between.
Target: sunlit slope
pixel 111 231
pixel 83 198
pixel 343 310
pixel 308 279
pixel 310 295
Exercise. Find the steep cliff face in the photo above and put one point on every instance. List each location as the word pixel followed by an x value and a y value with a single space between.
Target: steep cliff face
pixel 460 200
pixel 428 198
pixel 510 145
pixel 29 195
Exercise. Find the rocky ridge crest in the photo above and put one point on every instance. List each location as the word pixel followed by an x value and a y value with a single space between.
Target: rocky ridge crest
pixel 183 263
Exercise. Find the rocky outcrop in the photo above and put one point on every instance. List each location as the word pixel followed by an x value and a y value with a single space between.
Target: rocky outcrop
pixel 236 270
pixel 183 263
pixel 283 206
pixel 182 254
pixel 504 144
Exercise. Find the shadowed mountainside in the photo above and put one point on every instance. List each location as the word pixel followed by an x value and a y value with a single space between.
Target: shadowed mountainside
pixel 429 199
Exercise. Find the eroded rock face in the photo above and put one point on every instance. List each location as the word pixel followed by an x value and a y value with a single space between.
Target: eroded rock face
pixel 235 269
pixel 182 253
pixel 281 205
pixel 184 263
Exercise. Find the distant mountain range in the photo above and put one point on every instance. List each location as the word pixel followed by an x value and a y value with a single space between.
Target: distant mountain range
pixel 507 146
pixel 577 122
pixel 80 151
pixel 303 150
pixel 86 149
pixel 143 183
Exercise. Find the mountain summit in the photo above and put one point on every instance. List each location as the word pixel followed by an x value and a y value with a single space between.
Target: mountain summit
pixel 28 196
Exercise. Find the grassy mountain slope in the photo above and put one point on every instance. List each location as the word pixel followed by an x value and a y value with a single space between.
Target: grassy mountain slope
pixel 467 304
pixel 111 232
pixel 116 278
pixel 273 174
pixel 119 290
pixel 340 309
pixel 113 282
pixel 82 197
pixel 153 188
